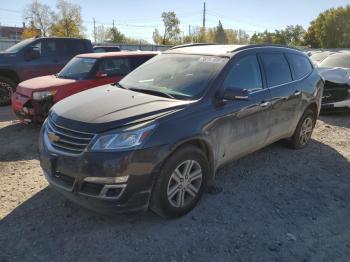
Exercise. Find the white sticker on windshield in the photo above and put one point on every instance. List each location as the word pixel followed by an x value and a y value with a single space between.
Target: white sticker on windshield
pixel 208 59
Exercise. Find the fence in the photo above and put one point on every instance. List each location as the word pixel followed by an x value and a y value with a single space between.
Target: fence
pixel 141 47
pixel 6 43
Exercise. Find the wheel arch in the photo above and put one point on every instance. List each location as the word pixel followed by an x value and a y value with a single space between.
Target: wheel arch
pixel 11 74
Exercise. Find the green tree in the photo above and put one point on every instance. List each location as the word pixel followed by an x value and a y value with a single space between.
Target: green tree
pixel 171 30
pixel 68 21
pixel 115 36
pixel 220 36
pixel 330 29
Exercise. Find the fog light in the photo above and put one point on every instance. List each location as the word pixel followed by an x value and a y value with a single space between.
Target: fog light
pixel 107 180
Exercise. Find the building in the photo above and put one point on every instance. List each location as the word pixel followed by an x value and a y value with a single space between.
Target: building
pixel 11 32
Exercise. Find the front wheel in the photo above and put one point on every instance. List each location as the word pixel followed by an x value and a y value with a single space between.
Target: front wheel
pixel 180 183
pixel 303 132
pixel 6 88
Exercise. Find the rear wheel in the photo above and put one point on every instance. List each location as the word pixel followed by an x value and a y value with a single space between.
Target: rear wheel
pixel 6 88
pixel 180 183
pixel 303 132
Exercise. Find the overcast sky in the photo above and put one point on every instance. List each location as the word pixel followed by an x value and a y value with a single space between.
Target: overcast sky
pixel 138 18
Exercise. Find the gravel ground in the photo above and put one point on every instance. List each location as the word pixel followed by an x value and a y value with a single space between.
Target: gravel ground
pixel 277 205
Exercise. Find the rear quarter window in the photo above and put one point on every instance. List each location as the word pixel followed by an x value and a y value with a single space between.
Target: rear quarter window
pixel 300 65
pixel 276 69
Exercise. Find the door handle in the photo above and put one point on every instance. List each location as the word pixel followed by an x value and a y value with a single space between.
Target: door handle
pixel 297 93
pixel 265 104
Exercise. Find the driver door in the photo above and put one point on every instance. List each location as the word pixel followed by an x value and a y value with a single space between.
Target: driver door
pixel 244 124
pixel 45 64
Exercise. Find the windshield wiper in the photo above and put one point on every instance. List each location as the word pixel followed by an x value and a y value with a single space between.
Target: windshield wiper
pixel 152 92
pixel 119 85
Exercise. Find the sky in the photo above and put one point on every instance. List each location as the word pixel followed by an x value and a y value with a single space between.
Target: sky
pixel 139 18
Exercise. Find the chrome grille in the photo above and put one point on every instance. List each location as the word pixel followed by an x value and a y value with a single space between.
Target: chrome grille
pixel 65 139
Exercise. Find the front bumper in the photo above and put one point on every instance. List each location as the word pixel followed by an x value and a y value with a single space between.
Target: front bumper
pixel 27 110
pixel 340 104
pixel 67 173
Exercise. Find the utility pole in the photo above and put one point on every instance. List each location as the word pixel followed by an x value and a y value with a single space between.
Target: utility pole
pixel 94 31
pixel 204 17
pixel 113 23
pixel 189 30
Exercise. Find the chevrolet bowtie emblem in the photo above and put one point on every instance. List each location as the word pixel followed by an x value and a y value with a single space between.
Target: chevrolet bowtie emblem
pixel 53 137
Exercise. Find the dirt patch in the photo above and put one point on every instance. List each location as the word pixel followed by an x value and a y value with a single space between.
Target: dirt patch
pixel 277 205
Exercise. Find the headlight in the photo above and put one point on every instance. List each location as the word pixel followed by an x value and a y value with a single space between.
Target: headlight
pixel 123 140
pixel 43 94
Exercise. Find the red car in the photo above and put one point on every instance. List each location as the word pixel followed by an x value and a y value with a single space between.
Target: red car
pixel 33 98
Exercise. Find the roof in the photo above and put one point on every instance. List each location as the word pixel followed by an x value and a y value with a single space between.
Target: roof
pixel 219 50
pixel 119 54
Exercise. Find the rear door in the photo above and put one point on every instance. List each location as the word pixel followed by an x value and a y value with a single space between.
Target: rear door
pixel 285 93
pixel 245 123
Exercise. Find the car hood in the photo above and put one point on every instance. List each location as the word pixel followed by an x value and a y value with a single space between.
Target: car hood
pixel 335 75
pixel 6 58
pixel 42 83
pixel 109 107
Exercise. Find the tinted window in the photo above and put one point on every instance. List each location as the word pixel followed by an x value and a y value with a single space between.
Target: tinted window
pixel 138 60
pixel 73 48
pixel 99 50
pixel 276 69
pixel 115 66
pixel 47 48
pixel 300 65
pixel 244 74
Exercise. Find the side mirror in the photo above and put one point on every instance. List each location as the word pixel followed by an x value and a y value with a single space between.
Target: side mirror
pixel 32 53
pixel 236 94
pixel 100 75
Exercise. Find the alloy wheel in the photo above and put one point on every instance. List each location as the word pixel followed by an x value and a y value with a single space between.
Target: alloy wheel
pixel 306 131
pixel 184 183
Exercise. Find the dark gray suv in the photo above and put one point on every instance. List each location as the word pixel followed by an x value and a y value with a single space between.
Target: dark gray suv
pixel 154 139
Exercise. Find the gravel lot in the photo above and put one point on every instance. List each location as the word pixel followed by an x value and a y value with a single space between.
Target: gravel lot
pixel 277 205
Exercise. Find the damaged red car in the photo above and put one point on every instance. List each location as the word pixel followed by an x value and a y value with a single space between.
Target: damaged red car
pixel 33 98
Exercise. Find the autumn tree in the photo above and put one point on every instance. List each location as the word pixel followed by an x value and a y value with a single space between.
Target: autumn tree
pixel 30 32
pixel 67 21
pixel 40 17
pixel 115 36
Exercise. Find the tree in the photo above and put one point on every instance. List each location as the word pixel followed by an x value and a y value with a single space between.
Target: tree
pixel 102 34
pixel 68 21
pixel 220 36
pixel 171 30
pixel 40 16
pixel 115 36
pixel 330 29
pixel 30 32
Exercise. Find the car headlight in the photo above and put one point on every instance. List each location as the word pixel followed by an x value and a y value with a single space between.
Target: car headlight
pixel 43 94
pixel 123 139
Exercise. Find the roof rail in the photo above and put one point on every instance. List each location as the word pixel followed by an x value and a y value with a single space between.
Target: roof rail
pixel 263 45
pixel 187 45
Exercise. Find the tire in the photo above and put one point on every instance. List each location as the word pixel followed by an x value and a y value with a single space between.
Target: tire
pixel 166 199
pixel 7 86
pixel 303 131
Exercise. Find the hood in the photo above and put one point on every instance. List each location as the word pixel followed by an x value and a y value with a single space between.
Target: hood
pixel 6 58
pixel 335 75
pixel 108 107
pixel 43 83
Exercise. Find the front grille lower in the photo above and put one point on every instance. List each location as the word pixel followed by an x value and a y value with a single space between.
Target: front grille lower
pixel 333 93
pixel 67 140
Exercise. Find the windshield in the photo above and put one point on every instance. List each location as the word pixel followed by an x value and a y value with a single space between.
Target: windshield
pixel 338 60
pixel 17 47
pixel 78 68
pixel 176 75
pixel 319 56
